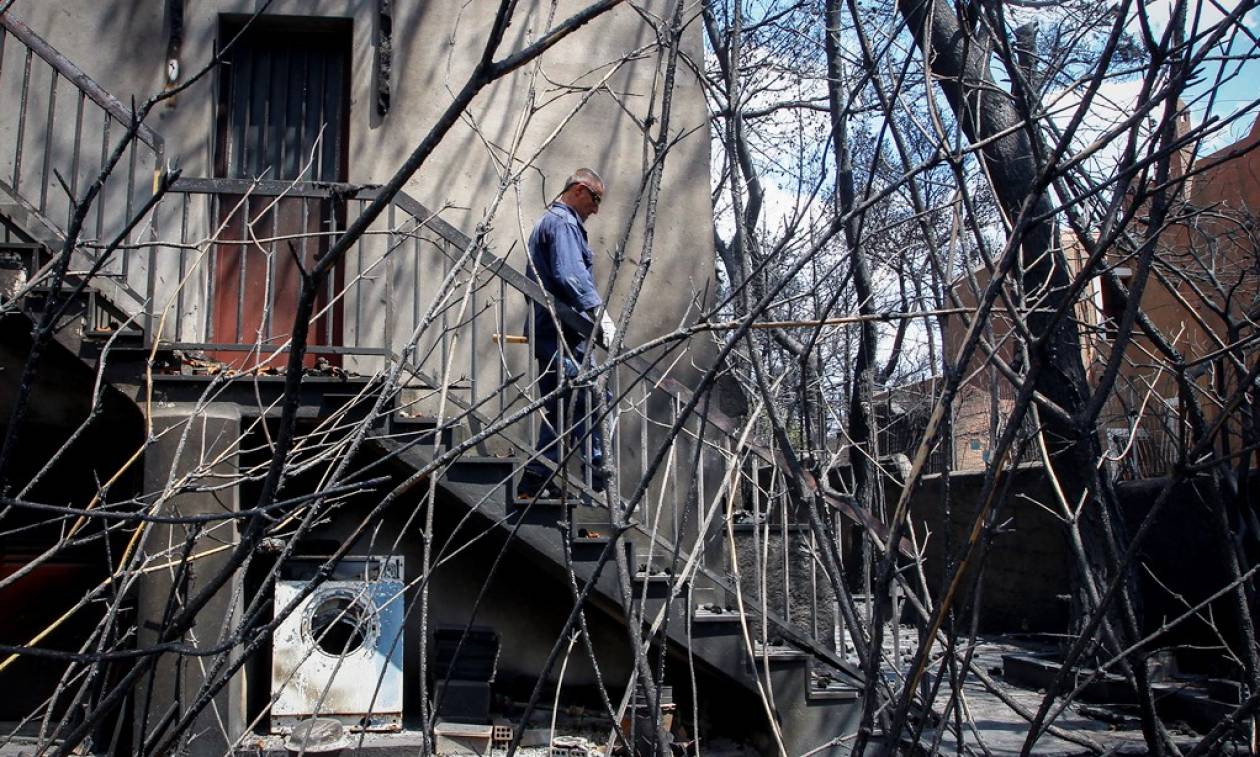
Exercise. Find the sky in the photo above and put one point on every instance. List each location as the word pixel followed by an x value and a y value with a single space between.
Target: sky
pixel 1239 91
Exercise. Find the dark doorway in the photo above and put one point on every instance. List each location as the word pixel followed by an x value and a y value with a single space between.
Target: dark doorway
pixel 282 114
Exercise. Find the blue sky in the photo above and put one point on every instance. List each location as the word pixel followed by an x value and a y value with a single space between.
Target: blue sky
pixel 1240 91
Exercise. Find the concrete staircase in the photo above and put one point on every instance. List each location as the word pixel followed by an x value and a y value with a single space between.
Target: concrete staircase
pixel 815 693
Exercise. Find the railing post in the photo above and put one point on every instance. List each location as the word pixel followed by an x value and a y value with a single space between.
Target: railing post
pixel 531 376
pixel 643 443
pixel 243 245
pixel 21 129
pixel 702 499
pixel 679 461
pixel 474 343
pixel 786 539
pixel 267 327
pixel 182 267
pixel 75 152
pixel 46 173
pixel 100 203
pixel 502 346
pixel 150 284
pixel 358 285
pixel 388 265
pixel 130 205
pixel 612 445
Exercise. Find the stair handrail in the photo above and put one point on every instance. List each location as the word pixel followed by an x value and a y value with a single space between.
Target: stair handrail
pixel 533 292
pixel 492 263
pixel 35 192
pixel 488 260
pixel 81 80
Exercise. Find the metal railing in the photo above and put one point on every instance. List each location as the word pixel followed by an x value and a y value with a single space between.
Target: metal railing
pixel 1142 439
pixel 218 265
pixel 60 128
pixel 386 304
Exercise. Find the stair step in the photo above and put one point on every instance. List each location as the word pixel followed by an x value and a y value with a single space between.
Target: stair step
pixel 707 616
pixel 452 434
pixel 776 653
pixel 406 420
pixel 118 335
pixel 591 525
pixel 836 692
pixel 554 503
pixel 664 578
pixel 711 635
pixel 484 468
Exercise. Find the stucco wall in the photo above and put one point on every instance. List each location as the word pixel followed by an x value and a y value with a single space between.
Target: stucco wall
pixel 122 46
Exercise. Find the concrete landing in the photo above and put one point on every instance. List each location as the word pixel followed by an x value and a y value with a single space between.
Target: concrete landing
pixel 999 730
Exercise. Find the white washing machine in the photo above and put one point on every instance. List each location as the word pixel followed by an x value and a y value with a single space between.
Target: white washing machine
pixel 339 654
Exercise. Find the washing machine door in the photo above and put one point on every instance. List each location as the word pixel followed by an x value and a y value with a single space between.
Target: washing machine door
pixel 339 653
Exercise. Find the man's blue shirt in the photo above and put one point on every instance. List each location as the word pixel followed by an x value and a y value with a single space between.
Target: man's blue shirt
pixel 560 261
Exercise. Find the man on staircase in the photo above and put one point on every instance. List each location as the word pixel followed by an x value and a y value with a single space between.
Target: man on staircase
pixel 560 260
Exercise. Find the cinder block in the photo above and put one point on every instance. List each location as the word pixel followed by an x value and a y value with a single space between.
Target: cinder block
pixel 501 738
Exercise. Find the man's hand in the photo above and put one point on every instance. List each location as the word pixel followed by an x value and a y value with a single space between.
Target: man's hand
pixel 607 331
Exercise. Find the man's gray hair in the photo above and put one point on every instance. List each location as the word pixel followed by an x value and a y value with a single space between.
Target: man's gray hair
pixel 584 176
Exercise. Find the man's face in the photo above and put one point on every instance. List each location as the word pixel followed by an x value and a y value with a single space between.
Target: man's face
pixel 584 199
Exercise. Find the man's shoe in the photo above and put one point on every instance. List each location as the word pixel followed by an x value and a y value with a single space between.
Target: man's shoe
pixel 599 479
pixel 532 488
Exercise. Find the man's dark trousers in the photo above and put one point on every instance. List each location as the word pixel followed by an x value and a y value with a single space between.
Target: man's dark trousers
pixel 575 404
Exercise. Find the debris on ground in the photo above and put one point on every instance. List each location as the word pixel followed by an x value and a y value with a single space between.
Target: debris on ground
pixel 199 363
pixel 1105 715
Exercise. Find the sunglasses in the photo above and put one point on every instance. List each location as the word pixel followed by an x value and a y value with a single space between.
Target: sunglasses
pixel 596 197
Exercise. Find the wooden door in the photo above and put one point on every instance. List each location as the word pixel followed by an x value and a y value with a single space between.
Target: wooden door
pixel 281 116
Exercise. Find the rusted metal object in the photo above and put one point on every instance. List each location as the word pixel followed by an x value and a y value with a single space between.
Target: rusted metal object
pixel 338 654
pixel 320 736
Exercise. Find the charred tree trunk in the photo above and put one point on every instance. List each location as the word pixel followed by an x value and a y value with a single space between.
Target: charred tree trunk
pixel 961 67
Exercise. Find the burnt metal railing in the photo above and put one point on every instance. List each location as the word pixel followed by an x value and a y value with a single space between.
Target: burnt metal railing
pixel 63 127
pixel 202 284
pixel 217 265
pixel 1145 436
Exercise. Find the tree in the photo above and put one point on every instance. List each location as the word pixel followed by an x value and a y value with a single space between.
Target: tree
pixel 997 112
pixel 911 198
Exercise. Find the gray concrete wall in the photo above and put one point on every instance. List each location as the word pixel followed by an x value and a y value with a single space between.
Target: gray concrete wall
pixel 780 575
pixel 122 45
pixel 1027 567
pixel 192 445
pixel 391 285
